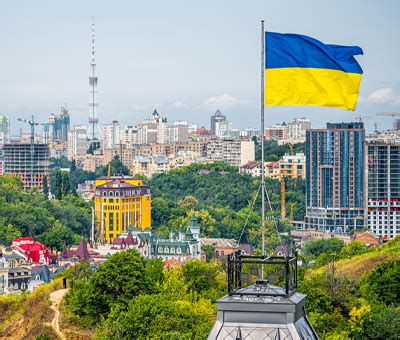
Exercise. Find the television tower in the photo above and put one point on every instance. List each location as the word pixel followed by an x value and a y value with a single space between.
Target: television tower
pixel 93 120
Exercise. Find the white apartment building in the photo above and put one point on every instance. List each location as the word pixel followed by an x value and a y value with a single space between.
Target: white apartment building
pixel 129 135
pixel 293 166
pixel 111 135
pixel 233 151
pixel 77 141
pixel 296 130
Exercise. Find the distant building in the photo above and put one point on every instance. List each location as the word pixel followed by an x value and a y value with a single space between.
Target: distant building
pixel 335 177
pixel 4 130
pixel 77 141
pixel 293 166
pixel 383 201
pixel 253 168
pixel 277 132
pixel 18 161
pixel 235 152
pixel 35 252
pixel 369 238
pixel 121 202
pixel 57 127
pixel 18 278
pixel 3 275
pixel 129 135
pixel 217 117
pixel 222 246
pixel 178 132
pixel 296 130
pixel 111 135
pixel 58 149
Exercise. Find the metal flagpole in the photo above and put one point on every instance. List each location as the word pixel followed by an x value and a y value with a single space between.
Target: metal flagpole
pixel 262 139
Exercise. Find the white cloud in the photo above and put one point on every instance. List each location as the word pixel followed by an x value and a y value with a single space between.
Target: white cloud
pixel 384 95
pixel 223 101
pixel 180 105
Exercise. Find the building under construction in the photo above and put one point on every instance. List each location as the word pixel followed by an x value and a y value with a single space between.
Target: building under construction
pixel 383 205
pixel 28 162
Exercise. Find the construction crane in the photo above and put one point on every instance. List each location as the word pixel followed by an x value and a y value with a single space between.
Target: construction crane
pixel 389 114
pixel 376 127
pixel 32 123
pixel 291 148
pixel 283 198
pixel 361 118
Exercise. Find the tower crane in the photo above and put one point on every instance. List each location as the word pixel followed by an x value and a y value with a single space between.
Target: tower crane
pixel 360 118
pixel 390 114
pixel 32 123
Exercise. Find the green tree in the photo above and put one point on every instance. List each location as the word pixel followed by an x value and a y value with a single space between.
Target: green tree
pixel 318 247
pixel 117 281
pixel 58 185
pixel 384 325
pixel 66 188
pixel 45 186
pixel 8 233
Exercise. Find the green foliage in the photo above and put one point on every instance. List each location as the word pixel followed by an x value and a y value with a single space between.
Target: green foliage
pixel 315 248
pixel 273 152
pixel 8 233
pixel 93 147
pixel 45 186
pixel 384 325
pixel 117 281
pixel 208 249
pixel 31 214
pixel 383 283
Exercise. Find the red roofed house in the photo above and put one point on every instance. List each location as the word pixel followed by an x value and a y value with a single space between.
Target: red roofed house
pixel 33 250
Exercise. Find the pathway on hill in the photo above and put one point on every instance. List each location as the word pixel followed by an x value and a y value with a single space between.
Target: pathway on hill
pixel 55 298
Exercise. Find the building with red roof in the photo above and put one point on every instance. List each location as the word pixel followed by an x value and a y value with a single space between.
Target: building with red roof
pixel 35 251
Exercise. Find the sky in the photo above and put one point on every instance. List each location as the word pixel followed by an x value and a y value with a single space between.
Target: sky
pixel 185 58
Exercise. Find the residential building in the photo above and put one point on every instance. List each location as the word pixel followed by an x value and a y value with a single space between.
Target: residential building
pixel 383 198
pixel 111 135
pixel 335 177
pixel 18 278
pixel 57 127
pixel 223 128
pixel 293 166
pixel 369 238
pixel 4 130
pixel 129 136
pixel 77 141
pixel 235 152
pixel 35 252
pixel 277 132
pixel 86 190
pixel 148 166
pixel 199 147
pixel 178 132
pixel 222 246
pixel 148 129
pixel 28 162
pixel 58 149
pixel 180 247
pixel 121 202
pixel 3 275
pixel 217 117
pixel 253 168
pixel 296 130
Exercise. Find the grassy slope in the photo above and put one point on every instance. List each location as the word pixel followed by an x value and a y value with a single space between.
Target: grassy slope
pixel 360 265
pixel 26 316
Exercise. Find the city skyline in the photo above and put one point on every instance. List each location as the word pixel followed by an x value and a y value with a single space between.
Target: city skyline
pixel 185 74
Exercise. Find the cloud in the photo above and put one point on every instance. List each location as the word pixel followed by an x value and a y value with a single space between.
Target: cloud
pixel 384 95
pixel 180 105
pixel 223 101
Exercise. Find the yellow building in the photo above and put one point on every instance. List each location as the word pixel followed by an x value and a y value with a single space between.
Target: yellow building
pixel 121 202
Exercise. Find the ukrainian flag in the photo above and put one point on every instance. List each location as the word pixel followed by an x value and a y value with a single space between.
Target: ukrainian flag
pixel 301 70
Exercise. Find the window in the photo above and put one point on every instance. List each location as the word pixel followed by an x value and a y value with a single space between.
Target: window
pixel 166 250
pixel 160 249
pixel 178 250
pixel 172 250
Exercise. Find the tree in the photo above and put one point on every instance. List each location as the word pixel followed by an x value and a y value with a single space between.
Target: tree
pixel 208 249
pixel 384 325
pixel 117 281
pixel 66 188
pixel 45 186
pixel 318 247
pixel 72 169
pixel 8 233
pixel 58 185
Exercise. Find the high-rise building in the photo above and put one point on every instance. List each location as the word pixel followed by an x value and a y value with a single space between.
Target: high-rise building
pixel 4 130
pixel 77 141
pixel 178 132
pixel 111 135
pixel 28 162
pixel 296 130
pixel 277 132
pixel 383 204
pixel 148 131
pixel 121 202
pixel 57 127
pixel 335 177
pixel 218 116
pixel 129 135
pixel 233 151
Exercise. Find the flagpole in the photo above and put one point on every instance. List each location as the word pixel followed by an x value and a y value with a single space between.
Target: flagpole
pixel 262 140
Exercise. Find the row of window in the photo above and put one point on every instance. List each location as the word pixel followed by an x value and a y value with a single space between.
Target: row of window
pixel 171 250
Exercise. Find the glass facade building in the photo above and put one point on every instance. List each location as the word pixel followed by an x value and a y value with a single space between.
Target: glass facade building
pixel 335 177
pixel 383 204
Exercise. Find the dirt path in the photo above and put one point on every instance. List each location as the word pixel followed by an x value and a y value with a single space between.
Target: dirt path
pixel 55 299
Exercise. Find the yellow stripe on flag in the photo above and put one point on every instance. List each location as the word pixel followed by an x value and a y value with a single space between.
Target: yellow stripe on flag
pixel 311 86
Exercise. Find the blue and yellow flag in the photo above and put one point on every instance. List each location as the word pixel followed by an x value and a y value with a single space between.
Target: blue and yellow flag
pixel 303 71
